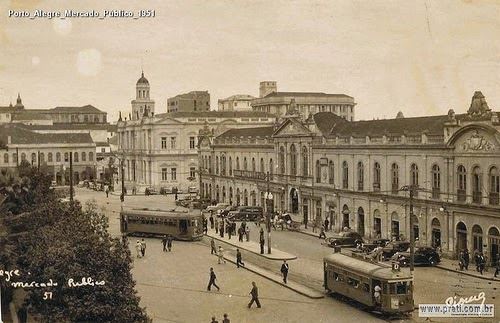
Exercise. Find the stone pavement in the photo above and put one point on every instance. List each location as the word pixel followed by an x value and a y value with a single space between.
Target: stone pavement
pixel 252 246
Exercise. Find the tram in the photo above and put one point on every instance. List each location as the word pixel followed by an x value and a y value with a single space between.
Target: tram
pixel 182 225
pixel 356 278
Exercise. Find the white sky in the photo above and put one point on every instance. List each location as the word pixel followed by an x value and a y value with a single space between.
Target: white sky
pixel 420 57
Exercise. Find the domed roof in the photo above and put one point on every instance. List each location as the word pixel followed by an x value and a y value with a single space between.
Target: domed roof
pixel 142 80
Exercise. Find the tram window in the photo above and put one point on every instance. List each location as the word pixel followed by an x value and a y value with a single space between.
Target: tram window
pixel 401 288
pixel 338 277
pixel 366 287
pixel 385 288
pixel 353 282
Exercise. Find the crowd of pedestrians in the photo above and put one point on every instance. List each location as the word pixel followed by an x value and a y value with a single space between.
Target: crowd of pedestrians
pixel 480 261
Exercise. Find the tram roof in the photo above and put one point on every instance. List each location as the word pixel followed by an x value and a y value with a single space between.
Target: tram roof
pixel 171 213
pixel 363 267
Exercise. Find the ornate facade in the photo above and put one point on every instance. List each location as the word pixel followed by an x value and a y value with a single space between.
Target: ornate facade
pixel 353 172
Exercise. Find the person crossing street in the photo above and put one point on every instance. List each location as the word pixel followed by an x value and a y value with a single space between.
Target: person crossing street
pixel 212 247
pixel 255 296
pixel 284 270
pixel 212 279
pixel 238 259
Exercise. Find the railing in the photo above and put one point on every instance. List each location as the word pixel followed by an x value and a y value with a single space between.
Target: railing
pixel 477 197
pixel 249 174
pixel 436 193
pixel 494 199
pixel 435 139
pixel 414 139
pixel 461 196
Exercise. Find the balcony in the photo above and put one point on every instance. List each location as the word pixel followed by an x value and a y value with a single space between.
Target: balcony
pixel 249 174
pixel 436 193
pixel 477 197
pixel 461 196
pixel 494 199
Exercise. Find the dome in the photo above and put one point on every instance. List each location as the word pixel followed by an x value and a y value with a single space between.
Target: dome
pixel 143 80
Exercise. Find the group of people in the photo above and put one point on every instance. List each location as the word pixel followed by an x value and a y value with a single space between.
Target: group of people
pixel 167 242
pixel 479 260
pixel 224 320
pixel 140 248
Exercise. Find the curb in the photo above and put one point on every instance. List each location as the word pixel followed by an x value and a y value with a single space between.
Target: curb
pixel 467 274
pixel 271 257
pixel 318 296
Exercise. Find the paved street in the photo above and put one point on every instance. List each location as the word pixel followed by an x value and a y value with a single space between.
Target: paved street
pixel 173 286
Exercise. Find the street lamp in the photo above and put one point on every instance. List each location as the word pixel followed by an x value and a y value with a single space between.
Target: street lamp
pixel 269 200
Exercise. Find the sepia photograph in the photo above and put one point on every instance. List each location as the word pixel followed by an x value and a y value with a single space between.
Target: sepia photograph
pixel 249 161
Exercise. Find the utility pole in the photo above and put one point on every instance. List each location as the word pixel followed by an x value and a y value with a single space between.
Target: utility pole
pixel 268 218
pixel 122 196
pixel 38 160
pixel 71 176
pixel 412 232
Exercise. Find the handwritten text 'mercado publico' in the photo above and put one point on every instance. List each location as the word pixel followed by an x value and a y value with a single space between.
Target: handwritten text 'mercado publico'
pixel 86 281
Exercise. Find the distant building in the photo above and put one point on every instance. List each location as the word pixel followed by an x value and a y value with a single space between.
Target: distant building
pixel 306 103
pixel 239 102
pixel 142 105
pixel 192 101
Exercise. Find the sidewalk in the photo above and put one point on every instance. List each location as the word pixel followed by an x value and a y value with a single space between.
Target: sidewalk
pixel 309 231
pixel 251 246
pixel 298 288
pixel 452 265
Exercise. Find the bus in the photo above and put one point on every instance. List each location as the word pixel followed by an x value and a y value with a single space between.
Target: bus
pixel 180 224
pixel 356 278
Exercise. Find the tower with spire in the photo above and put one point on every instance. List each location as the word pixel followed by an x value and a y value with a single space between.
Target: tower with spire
pixel 142 106
pixel 19 103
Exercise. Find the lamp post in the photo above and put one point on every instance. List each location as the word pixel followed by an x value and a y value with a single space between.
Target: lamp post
pixel 411 189
pixel 269 199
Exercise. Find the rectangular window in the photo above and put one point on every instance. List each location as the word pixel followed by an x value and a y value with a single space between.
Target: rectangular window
pixel 191 143
pixel 192 172
pixel 172 142
pixel 164 174
pixel 163 142
pixel 173 174
pixel 103 150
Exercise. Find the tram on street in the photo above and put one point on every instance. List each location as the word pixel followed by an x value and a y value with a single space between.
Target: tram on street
pixel 357 278
pixel 180 224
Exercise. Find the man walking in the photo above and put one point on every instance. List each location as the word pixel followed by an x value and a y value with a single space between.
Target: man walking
pixel 229 227
pixel 240 234
pixel 226 319
pixel 143 247
pixel 220 254
pixel 261 241
pixel 221 229
pixel 212 247
pixel 247 233
pixel 211 220
pixel 238 259
pixel 322 232
pixel 138 248
pixel 211 282
pixel 255 296
pixel 107 191
pixel 216 224
pixel 326 224
pixel 164 242
pixel 466 259
pixel 169 242
pixel 284 270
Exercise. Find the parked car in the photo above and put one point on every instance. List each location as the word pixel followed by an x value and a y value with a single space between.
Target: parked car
pixel 369 245
pixel 394 246
pixel 183 201
pixel 150 191
pixel 193 189
pixel 215 208
pixel 345 239
pixel 165 190
pixel 424 256
pixel 246 213
pixel 199 204
pixel 225 212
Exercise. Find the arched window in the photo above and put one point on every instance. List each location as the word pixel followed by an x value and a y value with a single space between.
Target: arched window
pixel 217 165
pixel 58 157
pixel 477 238
pixel 414 175
pixel 91 156
pixel 331 172
pixel 436 182
pixel 245 197
pixel 238 163
pixel 282 160
pixel 84 156
pixel 271 168
pixel 42 158
pixel 494 186
pixel 262 166
pixel 23 156
pixel 66 157
pixel 49 157
pixel 477 182
pixel 461 183
pixel 33 159
pixel 230 166
pixel 293 160
pixel 376 176
pixel 395 178
pixel 253 164
pixel 318 172
pixel 6 158
pixel 223 165
pixel 305 162
pixel 75 157
pixel 361 176
pixel 245 164
pixel 345 175
pixel 238 197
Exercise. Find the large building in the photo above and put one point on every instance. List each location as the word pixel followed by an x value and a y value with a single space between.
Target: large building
pixel 160 150
pixel 307 103
pixel 355 172
pixel 49 151
pixel 194 101
pixel 238 102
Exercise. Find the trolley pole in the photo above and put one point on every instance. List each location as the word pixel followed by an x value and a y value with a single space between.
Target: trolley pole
pixel 412 232
pixel 71 176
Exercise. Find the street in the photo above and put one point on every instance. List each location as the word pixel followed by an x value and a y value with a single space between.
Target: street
pixel 173 285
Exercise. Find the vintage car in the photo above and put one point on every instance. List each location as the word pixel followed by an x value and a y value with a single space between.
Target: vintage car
pixel 423 256
pixel 370 245
pixel 246 213
pixel 345 239
pixel 394 246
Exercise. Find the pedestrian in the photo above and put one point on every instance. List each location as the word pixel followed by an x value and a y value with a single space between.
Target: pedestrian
pixel 214 320
pixel 226 319
pixel 244 225
pixel 220 254
pixel 211 220
pixel 216 224
pixel 261 241
pixel 476 259
pixel 143 247
pixel 461 260
pixel 212 247
pixel 169 242
pixel 322 232
pixel 497 269
pixel 205 226
pixel 238 259
pixel 211 282
pixel 284 270
pixel 275 222
pixel 247 233
pixel 255 296
pixel 107 191
pixel 376 294
pixel 327 223
pixel 240 234
pixel 176 197
pixel 164 242
pixel 482 262
pixel 138 248
pixel 466 259
pixel 229 227
pixel 221 229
